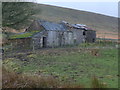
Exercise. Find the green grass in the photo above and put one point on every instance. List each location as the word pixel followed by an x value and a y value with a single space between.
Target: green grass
pixel 24 35
pixel 78 65
pixel 99 43
pixel 11 79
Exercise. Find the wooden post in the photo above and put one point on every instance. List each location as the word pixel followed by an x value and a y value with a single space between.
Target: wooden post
pixel 11 48
pixel 33 46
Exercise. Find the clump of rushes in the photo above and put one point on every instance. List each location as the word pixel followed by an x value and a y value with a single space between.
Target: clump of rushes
pixel 96 84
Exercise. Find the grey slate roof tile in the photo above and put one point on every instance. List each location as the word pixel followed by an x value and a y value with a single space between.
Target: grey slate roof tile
pixel 52 26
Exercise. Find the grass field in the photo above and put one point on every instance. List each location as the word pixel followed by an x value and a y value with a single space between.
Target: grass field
pixel 72 65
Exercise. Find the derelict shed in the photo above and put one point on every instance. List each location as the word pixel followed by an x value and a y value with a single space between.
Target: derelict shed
pixel 90 36
pixel 53 35
pixel 59 34
pixel 42 34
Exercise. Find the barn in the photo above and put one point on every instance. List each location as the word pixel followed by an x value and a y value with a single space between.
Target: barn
pixel 51 34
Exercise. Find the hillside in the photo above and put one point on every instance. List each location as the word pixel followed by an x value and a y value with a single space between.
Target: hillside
pixel 100 23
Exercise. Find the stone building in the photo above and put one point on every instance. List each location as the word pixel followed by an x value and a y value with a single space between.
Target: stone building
pixel 51 34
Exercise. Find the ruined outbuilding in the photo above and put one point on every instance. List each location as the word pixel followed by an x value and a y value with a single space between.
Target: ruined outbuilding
pixel 60 34
pixel 51 34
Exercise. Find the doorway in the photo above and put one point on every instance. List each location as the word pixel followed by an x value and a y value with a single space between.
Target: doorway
pixel 44 42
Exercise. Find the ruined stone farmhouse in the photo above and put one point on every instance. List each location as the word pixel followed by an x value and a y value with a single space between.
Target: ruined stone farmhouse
pixel 51 34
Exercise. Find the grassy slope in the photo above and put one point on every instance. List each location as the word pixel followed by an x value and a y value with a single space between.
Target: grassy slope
pixel 13 80
pixel 53 13
pixel 97 21
pixel 75 65
pixel 100 23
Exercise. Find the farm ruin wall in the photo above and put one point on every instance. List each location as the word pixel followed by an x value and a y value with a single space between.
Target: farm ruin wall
pixel 58 38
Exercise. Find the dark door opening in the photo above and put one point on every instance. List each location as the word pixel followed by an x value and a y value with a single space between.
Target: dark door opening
pixel 93 40
pixel 44 42
pixel 84 33
pixel 60 39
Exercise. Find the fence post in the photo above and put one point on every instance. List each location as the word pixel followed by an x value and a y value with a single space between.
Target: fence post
pixel 33 46
pixel 11 48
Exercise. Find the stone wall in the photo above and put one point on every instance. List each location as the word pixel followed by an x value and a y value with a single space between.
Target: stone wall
pixel 78 36
pixel 20 43
pixel 90 36
pixel 35 26
pixel 52 38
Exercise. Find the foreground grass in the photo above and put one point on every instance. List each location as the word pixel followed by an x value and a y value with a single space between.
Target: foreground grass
pixel 14 80
pixel 74 65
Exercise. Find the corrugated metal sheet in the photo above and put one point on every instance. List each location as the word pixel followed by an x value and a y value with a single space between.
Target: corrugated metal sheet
pixel 52 26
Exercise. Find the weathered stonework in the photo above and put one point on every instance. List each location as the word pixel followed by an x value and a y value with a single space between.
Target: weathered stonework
pixel 57 34
pixel 58 38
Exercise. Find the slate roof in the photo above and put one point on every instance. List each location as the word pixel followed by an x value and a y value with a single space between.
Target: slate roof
pixel 52 26
pixel 37 35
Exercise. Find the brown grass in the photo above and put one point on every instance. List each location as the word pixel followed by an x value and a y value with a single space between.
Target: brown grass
pixel 14 80
pixel 95 52
pixel 97 84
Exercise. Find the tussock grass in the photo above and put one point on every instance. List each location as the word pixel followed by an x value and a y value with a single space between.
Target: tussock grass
pixel 97 84
pixel 14 80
